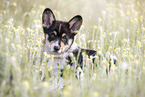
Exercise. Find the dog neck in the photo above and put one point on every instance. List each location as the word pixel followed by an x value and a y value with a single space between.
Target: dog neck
pixel 59 61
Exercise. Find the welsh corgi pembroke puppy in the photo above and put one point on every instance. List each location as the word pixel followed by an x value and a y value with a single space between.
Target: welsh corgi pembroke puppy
pixel 60 41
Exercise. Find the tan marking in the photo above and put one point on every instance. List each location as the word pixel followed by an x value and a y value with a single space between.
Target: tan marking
pixel 55 33
pixel 63 34
pixel 52 42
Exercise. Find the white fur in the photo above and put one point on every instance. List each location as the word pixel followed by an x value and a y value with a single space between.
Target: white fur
pixel 58 59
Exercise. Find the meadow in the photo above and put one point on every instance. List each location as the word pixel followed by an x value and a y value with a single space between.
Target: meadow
pixel 114 27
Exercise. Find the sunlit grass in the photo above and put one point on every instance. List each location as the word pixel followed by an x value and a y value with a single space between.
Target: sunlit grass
pixel 113 27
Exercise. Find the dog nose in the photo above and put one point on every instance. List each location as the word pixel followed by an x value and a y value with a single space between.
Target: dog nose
pixel 56 48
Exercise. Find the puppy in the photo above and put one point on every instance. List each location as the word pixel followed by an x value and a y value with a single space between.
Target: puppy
pixel 60 41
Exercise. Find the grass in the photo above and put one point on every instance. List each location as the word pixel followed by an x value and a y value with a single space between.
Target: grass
pixel 113 27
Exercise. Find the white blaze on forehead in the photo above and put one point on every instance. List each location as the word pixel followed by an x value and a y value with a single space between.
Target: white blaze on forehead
pixel 60 27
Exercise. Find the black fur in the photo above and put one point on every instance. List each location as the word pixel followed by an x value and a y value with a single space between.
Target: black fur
pixel 55 27
pixel 79 56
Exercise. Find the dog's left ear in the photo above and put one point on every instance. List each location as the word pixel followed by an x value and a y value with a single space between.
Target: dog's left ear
pixel 47 18
pixel 75 24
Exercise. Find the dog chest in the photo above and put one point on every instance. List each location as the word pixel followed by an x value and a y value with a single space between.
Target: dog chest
pixel 56 63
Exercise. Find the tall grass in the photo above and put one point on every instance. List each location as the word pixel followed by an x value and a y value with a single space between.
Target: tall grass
pixel 114 27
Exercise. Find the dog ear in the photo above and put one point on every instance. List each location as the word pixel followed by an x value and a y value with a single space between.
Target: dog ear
pixel 75 24
pixel 47 18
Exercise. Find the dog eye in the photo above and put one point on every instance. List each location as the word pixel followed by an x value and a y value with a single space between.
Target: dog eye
pixel 64 38
pixel 52 36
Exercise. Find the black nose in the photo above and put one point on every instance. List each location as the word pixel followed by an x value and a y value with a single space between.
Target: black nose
pixel 56 48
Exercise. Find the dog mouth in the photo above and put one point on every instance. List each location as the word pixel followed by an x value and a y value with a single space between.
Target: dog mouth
pixel 57 52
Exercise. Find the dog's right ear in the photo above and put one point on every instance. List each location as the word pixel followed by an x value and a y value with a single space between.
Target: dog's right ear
pixel 47 18
pixel 75 23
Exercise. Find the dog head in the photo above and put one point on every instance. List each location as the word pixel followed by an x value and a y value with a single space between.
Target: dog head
pixel 59 35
